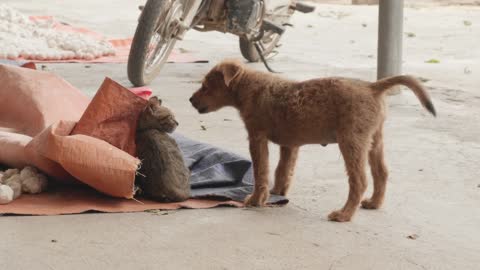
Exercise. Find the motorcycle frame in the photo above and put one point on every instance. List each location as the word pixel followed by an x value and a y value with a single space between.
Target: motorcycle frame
pixel 190 10
pixel 210 15
pixel 205 16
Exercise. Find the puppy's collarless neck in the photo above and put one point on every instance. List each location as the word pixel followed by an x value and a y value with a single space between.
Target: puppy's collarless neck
pixel 245 91
pixel 236 89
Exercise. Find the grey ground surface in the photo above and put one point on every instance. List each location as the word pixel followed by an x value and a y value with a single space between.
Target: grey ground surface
pixel 434 185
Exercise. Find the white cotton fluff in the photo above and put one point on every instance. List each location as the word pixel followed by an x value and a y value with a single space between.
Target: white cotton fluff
pixel 6 194
pixel 28 180
pixel 41 41
pixel 34 185
pixel 15 183
pixel 28 172
pixel 32 181
pixel 8 173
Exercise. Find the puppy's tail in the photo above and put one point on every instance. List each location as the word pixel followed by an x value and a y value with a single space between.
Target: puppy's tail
pixel 410 82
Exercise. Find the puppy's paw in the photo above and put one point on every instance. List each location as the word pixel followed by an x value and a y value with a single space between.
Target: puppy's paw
pixel 257 199
pixel 278 191
pixel 339 216
pixel 371 204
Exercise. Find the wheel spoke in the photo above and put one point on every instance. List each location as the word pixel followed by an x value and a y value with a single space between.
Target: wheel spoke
pixel 153 55
pixel 161 42
pixel 261 46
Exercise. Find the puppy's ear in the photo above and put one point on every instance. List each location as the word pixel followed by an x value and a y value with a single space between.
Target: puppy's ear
pixel 230 71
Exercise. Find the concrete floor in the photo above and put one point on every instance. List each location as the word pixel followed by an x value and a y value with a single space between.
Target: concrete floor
pixel 434 186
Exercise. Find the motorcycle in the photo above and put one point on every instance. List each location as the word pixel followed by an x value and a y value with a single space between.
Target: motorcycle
pixel 259 24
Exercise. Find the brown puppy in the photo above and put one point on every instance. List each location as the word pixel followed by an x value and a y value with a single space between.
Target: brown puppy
pixel 321 111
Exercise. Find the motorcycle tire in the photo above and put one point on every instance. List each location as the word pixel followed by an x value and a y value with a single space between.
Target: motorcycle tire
pixel 249 52
pixel 136 67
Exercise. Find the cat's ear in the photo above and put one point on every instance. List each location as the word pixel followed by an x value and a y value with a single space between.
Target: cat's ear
pixel 154 101
pixel 149 108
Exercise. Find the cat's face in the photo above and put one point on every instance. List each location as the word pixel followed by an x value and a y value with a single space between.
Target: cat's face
pixel 158 117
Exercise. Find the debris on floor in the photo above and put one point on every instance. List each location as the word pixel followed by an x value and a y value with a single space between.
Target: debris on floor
pixel 413 236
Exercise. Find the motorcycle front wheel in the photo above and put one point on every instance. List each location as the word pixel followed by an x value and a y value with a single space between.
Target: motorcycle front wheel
pixel 267 43
pixel 279 14
pixel 154 39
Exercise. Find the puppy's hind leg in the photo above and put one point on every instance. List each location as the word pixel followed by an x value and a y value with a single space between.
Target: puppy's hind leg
pixel 285 170
pixel 354 152
pixel 379 172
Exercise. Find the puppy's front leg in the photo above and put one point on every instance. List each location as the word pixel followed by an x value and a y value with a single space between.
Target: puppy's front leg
pixel 259 154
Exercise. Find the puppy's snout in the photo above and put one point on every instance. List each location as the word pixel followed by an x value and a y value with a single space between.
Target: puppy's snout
pixel 193 101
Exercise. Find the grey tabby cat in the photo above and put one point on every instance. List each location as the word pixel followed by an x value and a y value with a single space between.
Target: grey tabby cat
pixel 163 175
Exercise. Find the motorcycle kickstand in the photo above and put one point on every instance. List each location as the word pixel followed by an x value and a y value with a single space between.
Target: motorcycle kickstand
pixel 260 53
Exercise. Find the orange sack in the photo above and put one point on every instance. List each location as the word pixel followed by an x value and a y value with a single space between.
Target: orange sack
pixel 45 107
